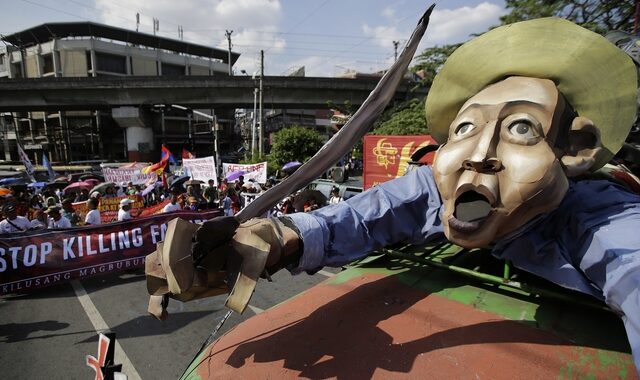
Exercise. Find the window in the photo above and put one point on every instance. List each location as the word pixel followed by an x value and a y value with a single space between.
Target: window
pixel 47 63
pixel 16 69
pixel 169 70
pixel 111 63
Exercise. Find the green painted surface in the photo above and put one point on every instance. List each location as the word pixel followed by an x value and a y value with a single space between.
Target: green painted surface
pixel 192 372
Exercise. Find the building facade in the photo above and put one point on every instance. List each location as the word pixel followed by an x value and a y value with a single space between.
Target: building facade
pixel 86 49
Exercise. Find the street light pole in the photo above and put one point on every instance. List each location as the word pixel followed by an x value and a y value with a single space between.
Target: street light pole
pixel 261 139
pixel 253 122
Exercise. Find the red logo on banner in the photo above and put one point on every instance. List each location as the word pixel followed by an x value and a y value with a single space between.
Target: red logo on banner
pixel 387 157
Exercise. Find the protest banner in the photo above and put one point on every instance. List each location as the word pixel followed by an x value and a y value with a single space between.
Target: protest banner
pixel 109 207
pixel 37 259
pixel 387 157
pixel 202 169
pixel 155 209
pixel 257 172
pixel 126 175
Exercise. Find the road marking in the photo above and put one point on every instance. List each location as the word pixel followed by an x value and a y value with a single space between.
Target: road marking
pixel 325 273
pixel 100 325
pixel 256 310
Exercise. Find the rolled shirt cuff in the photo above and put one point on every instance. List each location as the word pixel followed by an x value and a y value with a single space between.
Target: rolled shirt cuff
pixel 312 230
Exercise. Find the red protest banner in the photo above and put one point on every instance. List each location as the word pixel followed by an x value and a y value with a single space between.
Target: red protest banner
pixel 109 207
pixel 387 157
pixel 37 259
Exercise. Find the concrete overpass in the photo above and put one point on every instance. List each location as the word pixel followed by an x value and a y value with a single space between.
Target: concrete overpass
pixel 102 93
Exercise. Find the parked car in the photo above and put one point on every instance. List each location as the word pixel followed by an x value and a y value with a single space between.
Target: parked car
pixel 348 188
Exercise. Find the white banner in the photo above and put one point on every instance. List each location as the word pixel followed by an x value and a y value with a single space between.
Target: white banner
pixel 202 169
pixel 257 172
pixel 126 175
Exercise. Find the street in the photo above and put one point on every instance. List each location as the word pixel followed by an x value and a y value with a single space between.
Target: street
pixel 49 333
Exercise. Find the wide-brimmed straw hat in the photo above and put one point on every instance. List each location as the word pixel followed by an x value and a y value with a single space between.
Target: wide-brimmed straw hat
pixel 597 78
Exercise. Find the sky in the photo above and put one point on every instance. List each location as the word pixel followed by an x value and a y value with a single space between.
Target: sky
pixel 327 37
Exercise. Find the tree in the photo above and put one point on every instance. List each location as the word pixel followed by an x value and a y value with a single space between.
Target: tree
pixel 597 15
pixel 295 144
pixel 407 118
pixel 430 61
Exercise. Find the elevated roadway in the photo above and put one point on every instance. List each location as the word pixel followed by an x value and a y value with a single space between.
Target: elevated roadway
pixel 102 93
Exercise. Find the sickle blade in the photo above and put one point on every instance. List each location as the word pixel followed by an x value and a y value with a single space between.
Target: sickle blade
pixel 348 135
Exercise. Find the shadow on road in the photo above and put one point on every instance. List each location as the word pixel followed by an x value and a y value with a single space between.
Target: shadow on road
pixel 18 332
pixel 143 326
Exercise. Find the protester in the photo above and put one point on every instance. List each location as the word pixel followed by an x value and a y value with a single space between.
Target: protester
pixel 51 201
pixel 34 203
pixel 192 204
pixel 40 220
pixel 131 190
pixel 93 216
pixel 227 203
pixel 125 210
pixel 56 220
pixel 174 205
pixel 235 200
pixel 287 206
pixel 110 192
pixel 224 184
pixel 13 222
pixel 69 213
pixel 335 196
pixel 211 194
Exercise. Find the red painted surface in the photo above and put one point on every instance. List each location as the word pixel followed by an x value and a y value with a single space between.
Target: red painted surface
pixel 377 327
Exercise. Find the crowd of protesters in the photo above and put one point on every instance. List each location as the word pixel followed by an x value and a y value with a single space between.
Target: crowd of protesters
pixel 52 208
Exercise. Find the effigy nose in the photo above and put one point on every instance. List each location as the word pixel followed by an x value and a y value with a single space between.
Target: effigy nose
pixel 486 165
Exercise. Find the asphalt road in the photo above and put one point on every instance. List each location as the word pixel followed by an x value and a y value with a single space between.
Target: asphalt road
pixel 49 333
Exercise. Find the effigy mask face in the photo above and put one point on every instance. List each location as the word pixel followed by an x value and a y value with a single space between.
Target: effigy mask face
pixel 502 165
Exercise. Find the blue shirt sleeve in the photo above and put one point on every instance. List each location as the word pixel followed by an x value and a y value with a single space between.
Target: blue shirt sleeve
pixel 591 243
pixel 405 209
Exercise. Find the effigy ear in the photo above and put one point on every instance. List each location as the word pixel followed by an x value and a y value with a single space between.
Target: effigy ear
pixel 583 149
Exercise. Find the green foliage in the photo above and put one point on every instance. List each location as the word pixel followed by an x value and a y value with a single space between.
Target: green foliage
pixel 295 144
pixel 431 60
pixel 597 15
pixel 407 118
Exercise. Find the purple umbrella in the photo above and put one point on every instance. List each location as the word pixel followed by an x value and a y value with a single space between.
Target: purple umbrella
pixel 234 175
pixel 291 165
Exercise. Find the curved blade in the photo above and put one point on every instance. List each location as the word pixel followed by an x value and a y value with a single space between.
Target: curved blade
pixel 348 135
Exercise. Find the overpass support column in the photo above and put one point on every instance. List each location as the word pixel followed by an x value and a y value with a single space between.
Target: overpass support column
pixel 138 134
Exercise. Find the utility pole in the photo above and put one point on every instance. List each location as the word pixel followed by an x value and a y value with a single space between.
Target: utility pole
pixel 137 21
pixel 395 49
pixel 180 32
pixel 156 26
pixel 228 34
pixel 261 139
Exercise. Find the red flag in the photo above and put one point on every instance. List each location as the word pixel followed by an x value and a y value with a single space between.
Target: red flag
pixel 187 154
pixel 166 155
pixel 158 168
